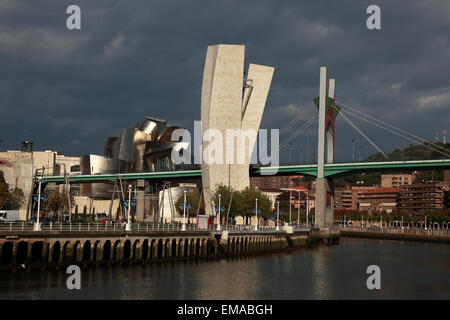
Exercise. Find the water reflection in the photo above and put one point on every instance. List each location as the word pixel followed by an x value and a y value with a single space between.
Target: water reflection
pixel 409 270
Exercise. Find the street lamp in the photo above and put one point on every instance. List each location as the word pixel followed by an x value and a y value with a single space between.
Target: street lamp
pixel 307 207
pixel 128 225
pixel 183 226
pixel 298 213
pixel 37 225
pixel 256 214
pixel 278 215
pixel 290 206
pixel 290 152
pixel 353 149
pixel 218 215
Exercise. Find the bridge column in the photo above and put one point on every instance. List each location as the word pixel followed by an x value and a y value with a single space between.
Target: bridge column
pixel 155 249
pixel 181 246
pixel 50 253
pixel 45 252
pixel 29 250
pixel 177 254
pixel 204 247
pixel 100 255
pixel 121 248
pixel 61 253
pixel 324 211
pixel 79 252
pixel 92 252
pixel 140 204
pixel 69 252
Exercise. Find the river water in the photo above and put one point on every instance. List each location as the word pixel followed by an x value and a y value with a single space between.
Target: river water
pixel 409 270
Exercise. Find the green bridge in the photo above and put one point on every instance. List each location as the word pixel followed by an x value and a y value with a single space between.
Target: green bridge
pixel 334 170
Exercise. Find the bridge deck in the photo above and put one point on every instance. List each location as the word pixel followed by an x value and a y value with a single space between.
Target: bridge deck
pixel 331 170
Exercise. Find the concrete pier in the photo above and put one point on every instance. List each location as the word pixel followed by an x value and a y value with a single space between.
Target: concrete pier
pixel 26 250
pixel 442 236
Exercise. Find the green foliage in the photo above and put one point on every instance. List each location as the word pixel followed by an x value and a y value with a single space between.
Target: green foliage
pixel 84 217
pixel 243 202
pixel 430 175
pixel 10 199
pixel 17 199
pixel 284 216
pixel 133 214
pixel 355 215
pixel 192 197
pixel 412 152
pixel 225 193
pixel 246 202
pixel 55 200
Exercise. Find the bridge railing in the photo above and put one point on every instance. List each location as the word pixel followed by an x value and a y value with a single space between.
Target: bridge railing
pixel 120 227
pixel 93 227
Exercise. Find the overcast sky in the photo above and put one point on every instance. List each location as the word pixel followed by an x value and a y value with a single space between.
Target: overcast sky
pixel 70 90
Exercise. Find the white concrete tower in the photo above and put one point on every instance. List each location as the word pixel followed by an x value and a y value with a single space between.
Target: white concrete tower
pixel 230 102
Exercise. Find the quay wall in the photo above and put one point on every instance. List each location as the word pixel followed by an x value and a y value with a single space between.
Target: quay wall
pixel 28 250
pixel 441 236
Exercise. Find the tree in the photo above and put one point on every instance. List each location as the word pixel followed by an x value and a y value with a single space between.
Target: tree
pixel 10 199
pixel 284 216
pixel 84 217
pixel 76 213
pixel 225 193
pixel 246 202
pixel 4 191
pixel 55 200
pixel 192 197
pixel 17 199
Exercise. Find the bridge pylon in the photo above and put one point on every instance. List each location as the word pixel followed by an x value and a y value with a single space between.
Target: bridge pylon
pixel 324 211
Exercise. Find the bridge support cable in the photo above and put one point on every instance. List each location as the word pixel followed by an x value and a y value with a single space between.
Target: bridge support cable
pixel 391 126
pixel 362 133
pixel 400 135
pixel 112 200
pixel 294 121
pixel 300 130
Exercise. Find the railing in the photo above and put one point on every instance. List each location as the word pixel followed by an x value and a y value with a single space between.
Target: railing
pixel 444 226
pixel 93 227
pixel 120 227
pixel 410 231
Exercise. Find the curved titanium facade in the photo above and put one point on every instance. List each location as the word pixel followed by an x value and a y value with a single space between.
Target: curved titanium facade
pixel 145 147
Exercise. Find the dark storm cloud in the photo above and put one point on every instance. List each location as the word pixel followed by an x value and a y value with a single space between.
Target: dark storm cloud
pixel 69 90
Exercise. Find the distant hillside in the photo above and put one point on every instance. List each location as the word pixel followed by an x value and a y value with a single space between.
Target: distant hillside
pixel 412 152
